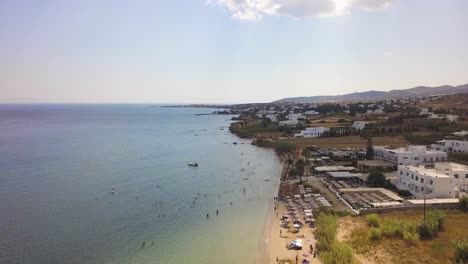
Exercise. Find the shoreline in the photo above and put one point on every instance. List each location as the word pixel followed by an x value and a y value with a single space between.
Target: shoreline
pixel 264 248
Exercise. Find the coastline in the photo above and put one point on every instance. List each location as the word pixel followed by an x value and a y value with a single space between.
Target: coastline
pixel 265 245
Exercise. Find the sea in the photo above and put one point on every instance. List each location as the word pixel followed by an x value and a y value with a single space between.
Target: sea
pixel 88 183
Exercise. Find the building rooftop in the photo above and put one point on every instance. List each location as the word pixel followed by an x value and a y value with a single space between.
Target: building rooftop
pixel 426 171
pixel 334 168
pixel 344 174
pixel 375 163
pixel 411 149
pixel 433 201
pixel 386 192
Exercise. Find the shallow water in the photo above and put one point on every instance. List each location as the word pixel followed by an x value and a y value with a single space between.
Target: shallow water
pixel 58 164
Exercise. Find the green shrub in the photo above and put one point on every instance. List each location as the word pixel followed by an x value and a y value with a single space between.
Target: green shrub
pixel 460 251
pixel 375 234
pixel 463 203
pixel 325 231
pixel 392 228
pixel 427 229
pixel 360 242
pixel 410 236
pixel 340 253
pixel 285 146
pixel 438 217
pixel 373 220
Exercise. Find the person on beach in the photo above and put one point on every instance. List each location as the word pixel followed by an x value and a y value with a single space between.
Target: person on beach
pixel 217 212
pixel 281 233
pixel 207 216
pixel 311 249
pixel 143 244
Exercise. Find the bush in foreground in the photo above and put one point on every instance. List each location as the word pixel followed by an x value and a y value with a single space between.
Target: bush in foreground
pixel 325 232
pixel 373 220
pixel 340 253
pixel 460 248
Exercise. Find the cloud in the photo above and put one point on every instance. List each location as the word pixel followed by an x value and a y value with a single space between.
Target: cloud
pixel 257 9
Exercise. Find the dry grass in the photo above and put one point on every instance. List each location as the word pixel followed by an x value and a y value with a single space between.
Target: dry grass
pixel 459 101
pixel 349 141
pixel 435 251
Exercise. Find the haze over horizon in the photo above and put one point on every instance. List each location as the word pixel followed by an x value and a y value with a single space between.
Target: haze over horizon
pixel 225 51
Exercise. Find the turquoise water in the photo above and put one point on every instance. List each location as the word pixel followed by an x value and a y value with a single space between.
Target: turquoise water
pixel 59 164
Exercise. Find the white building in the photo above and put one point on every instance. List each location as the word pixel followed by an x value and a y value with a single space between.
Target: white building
pixel 409 155
pixel 293 119
pixel 424 111
pixel 461 133
pixel 360 124
pixel 445 180
pixel 311 112
pixel 272 117
pixel 449 145
pixel 458 172
pixel 421 181
pixel 312 132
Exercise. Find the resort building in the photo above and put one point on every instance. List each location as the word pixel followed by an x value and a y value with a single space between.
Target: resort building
pixel 458 172
pixel 409 155
pixel 358 125
pixel 449 145
pixel 312 132
pixel 425 182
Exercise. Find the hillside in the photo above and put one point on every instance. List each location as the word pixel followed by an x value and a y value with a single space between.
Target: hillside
pixel 369 95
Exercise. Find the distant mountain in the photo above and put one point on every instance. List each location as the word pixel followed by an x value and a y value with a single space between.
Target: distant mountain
pixel 370 95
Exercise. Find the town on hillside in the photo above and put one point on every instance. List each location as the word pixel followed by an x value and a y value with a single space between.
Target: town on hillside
pixel 397 158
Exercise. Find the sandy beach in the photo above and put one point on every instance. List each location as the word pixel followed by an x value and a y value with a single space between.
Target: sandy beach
pixel 279 237
pixel 273 248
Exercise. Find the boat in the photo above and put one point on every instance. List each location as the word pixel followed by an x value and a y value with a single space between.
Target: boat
pixel 193 164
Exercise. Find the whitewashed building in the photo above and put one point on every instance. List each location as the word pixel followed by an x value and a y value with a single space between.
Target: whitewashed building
pixel 449 145
pixel 445 180
pixel 312 132
pixel 421 181
pixel 461 133
pixel 409 155
pixel 293 119
pixel 459 172
pixel 358 125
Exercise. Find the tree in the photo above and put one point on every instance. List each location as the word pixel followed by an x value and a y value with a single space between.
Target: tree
pixel 377 179
pixel 464 203
pixel 300 166
pixel 370 149
pixel 266 122
pixel 285 147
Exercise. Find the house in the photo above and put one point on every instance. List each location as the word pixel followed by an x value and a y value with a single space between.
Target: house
pixel 358 125
pixel 445 180
pixel 312 132
pixel 409 155
pixel 449 145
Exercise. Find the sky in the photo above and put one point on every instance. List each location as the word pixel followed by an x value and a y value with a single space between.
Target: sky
pixel 225 51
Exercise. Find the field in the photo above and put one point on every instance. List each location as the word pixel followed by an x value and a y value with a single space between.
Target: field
pixel 448 102
pixel 435 251
pixel 349 141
